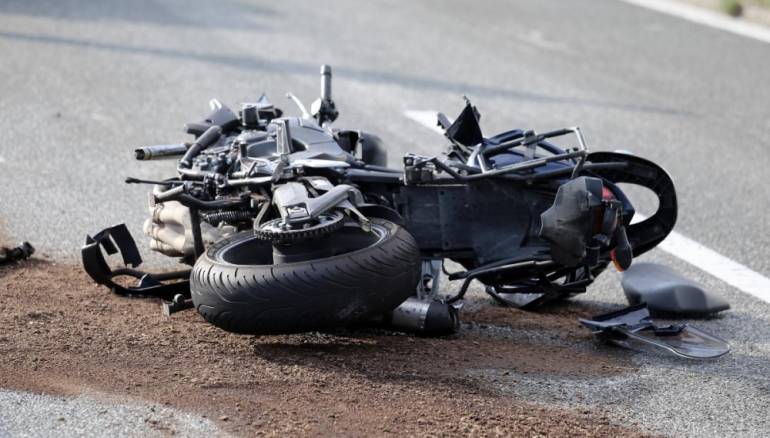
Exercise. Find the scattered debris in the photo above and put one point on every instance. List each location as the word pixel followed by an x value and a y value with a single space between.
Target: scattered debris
pixel 632 325
pixel 21 252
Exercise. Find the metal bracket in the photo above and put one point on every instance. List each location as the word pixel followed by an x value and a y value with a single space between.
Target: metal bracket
pixel 297 207
pixel 351 209
pixel 429 285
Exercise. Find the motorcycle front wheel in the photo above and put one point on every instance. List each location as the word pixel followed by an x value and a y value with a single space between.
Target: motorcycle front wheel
pixel 246 285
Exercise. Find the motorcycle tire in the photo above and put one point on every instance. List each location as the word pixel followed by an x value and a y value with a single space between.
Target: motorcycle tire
pixel 237 286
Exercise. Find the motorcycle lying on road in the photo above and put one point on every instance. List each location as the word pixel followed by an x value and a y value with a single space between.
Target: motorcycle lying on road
pixel 290 224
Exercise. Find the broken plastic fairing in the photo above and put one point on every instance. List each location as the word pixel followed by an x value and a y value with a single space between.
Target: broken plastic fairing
pixel 633 325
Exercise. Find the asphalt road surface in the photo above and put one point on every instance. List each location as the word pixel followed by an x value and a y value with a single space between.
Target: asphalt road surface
pixel 82 83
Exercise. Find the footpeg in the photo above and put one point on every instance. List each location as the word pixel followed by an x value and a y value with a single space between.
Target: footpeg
pixel 177 304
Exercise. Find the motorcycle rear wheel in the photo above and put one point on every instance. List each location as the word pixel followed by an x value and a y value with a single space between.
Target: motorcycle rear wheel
pixel 241 286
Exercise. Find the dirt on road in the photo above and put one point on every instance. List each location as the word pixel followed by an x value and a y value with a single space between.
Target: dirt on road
pixel 62 334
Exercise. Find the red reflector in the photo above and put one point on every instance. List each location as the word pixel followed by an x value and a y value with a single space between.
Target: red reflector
pixel 615 261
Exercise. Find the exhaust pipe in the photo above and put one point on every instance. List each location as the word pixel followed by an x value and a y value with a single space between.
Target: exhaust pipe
pixel 432 318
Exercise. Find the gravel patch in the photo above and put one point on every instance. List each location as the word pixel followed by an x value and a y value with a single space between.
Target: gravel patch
pixel 24 414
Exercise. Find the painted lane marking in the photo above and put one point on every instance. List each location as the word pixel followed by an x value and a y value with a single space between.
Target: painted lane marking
pixel 705 17
pixel 706 259
pixel 711 262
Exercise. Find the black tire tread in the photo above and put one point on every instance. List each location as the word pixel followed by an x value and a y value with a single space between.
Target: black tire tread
pixel 310 295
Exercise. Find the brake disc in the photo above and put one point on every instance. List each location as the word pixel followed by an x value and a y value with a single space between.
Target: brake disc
pixel 277 230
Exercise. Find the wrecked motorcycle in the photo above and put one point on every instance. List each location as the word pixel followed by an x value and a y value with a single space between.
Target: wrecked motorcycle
pixel 291 224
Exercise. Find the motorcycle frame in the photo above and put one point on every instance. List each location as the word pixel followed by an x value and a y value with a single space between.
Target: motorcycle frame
pixel 453 206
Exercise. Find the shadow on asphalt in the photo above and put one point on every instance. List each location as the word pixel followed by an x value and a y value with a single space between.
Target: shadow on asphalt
pixel 234 15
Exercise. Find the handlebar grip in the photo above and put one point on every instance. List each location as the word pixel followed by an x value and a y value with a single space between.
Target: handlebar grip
pixel 159 151
pixel 326 82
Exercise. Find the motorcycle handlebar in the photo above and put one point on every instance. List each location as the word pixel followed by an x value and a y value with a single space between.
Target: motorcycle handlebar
pixel 205 140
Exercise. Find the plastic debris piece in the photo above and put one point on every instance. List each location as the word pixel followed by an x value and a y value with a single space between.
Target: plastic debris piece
pixel 633 325
pixel 21 252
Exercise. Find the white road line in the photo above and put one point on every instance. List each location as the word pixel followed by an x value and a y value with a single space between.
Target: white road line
pixel 682 247
pixel 706 17
pixel 721 267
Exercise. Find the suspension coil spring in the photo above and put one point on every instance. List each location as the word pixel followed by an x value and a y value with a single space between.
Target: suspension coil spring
pixel 226 216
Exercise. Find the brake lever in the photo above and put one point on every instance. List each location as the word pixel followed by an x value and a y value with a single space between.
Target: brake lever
pixel 278 172
pixel 295 99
